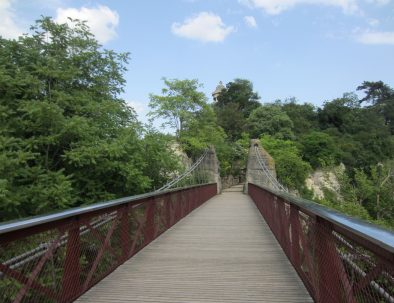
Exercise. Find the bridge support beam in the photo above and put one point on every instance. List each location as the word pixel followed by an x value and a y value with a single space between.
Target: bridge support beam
pixel 210 168
pixel 253 170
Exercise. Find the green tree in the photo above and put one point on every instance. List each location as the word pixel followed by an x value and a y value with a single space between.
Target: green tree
pixel 319 149
pixel 179 100
pixel 231 119
pixel 234 105
pixel 161 162
pixel 290 168
pixel 303 116
pixel 66 137
pixel 340 113
pixel 381 96
pixel 376 190
pixel 201 131
pixel 362 137
pixel 270 119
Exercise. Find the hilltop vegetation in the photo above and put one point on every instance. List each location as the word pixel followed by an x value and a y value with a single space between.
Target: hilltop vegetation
pixel 67 138
pixel 300 137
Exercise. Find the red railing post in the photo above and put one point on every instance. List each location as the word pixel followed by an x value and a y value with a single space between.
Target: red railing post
pixel 183 203
pixel 177 207
pixel 189 197
pixel 125 237
pixel 284 226
pixel 295 237
pixel 167 207
pixel 150 226
pixel 71 284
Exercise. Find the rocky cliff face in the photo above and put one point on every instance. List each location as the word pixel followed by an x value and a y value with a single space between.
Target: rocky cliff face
pixel 325 179
pixel 183 158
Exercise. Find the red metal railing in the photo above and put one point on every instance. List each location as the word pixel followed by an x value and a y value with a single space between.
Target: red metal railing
pixel 56 258
pixel 338 258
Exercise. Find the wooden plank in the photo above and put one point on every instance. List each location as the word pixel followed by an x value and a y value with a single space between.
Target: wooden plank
pixel 222 252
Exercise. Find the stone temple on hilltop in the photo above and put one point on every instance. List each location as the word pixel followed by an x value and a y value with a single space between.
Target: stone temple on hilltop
pixel 217 91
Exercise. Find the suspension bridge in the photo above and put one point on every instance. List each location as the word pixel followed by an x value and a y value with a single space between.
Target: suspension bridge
pixel 191 241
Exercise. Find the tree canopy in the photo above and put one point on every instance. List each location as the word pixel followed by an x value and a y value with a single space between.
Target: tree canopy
pixel 291 169
pixel 234 105
pixel 381 96
pixel 180 99
pixel 270 119
pixel 66 137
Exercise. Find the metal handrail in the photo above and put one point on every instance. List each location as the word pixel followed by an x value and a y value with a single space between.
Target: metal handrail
pixel 153 212
pixel 40 250
pixel 335 264
pixel 372 233
pixel 15 225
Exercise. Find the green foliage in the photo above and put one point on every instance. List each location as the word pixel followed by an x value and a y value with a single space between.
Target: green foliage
pixel 340 113
pixel 178 102
pixel 303 116
pixel 290 168
pixel 270 119
pixel 159 157
pixel 346 207
pixel 361 134
pixel 341 131
pixel 357 198
pixel 319 149
pixel 376 190
pixel 232 158
pixel 360 137
pixel 231 119
pixel 196 123
pixel 201 131
pixel 348 201
pixel 382 98
pixel 240 91
pixel 234 106
pixel 244 141
pixel 66 138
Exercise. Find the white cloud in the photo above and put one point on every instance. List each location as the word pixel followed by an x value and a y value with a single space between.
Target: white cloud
pixel 379 2
pixel 274 7
pixel 376 38
pixel 373 22
pixel 205 26
pixel 250 21
pixel 139 107
pixel 8 27
pixel 101 20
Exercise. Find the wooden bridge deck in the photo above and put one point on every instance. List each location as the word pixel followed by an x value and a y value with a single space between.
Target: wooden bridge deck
pixel 221 252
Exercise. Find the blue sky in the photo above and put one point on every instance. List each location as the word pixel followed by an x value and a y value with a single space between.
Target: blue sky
pixel 314 50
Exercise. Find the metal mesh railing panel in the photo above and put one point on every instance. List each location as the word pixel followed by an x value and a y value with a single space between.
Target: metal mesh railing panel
pixel 334 264
pixel 60 260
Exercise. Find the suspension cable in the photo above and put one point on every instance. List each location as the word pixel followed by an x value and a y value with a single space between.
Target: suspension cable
pixel 264 170
pixel 192 168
